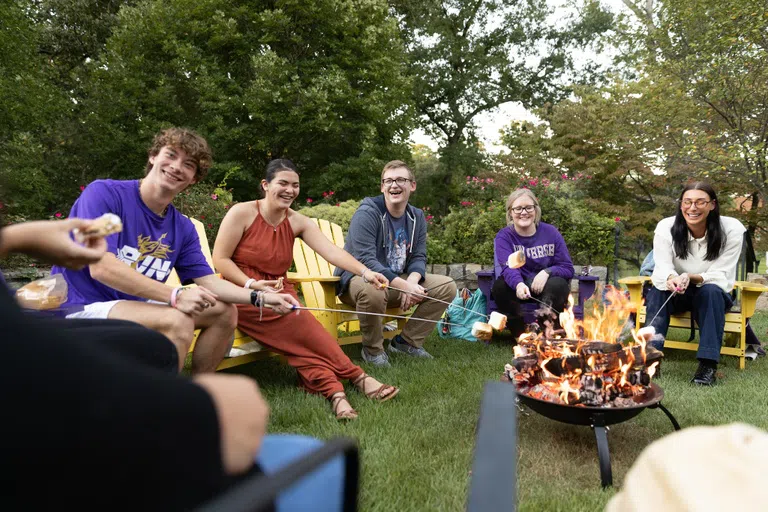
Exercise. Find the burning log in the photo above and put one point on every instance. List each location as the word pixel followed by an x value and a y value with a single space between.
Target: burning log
pixel 585 372
pixel 602 357
pixel 565 366
pixel 526 363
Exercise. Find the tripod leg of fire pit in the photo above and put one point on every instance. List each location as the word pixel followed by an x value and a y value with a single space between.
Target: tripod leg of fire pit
pixel 603 453
pixel 675 424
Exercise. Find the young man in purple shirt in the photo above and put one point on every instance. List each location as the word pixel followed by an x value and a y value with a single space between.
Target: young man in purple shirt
pixel 128 282
pixel 548 267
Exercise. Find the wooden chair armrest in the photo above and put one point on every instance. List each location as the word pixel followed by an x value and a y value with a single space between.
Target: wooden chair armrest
pixel 749 286
pixel 635 286
pixel 310 279
pixel 634 280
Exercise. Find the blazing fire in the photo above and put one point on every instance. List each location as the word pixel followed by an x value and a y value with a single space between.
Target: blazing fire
pixel 589 362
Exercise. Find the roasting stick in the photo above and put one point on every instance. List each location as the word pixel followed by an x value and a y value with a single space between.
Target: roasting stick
pixel 662 306
pixel 297 308
pixel 544 304
pixel 450 280
pixel 438 300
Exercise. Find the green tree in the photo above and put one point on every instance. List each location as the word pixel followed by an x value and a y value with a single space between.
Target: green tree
pixel 73 32
pixel 606 141
pixel 30 109
pixel 712 56
pixel 320 83
pixel 471 56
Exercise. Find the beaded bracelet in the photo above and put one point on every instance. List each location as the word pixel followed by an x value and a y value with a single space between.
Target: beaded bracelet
pixel 248 283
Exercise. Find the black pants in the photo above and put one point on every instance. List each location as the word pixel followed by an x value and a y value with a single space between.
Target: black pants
pixel 126 339
pixel 95 416
pixel 555 293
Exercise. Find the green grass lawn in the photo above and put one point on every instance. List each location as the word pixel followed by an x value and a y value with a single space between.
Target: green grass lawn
pixel 417 449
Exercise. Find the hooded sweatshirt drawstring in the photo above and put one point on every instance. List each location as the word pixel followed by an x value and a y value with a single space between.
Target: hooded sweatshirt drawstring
pixel 385 230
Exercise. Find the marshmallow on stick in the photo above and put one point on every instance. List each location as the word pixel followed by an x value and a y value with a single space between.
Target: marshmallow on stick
pixel 497 321
pixel 646 333
pixel 516 259
pixel 482 331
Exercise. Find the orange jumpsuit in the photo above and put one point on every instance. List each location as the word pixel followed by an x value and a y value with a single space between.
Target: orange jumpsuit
pixel 266 252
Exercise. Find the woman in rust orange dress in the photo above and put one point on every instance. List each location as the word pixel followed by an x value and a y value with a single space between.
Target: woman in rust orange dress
pixel 254 248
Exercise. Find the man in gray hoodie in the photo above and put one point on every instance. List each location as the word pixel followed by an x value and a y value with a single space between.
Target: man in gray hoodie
pixel 390 236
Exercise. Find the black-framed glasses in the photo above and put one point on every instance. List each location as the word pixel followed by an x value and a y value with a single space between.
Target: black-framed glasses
pixel 519 209
pixel 700 203
pixel 387 182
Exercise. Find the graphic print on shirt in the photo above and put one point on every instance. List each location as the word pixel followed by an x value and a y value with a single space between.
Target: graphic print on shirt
pixel 150 258
pixel 397 249
pixel 537 251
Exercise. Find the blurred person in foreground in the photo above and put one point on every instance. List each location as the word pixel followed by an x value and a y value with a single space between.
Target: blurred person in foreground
pixel 93 420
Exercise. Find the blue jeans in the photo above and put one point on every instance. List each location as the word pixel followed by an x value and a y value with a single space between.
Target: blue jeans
pixel 321 490
pixel 708 304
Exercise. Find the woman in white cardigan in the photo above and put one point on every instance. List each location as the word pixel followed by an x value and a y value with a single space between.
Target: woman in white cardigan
pixel 696 252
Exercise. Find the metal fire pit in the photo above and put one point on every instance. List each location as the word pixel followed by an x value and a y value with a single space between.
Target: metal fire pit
pixel 599 418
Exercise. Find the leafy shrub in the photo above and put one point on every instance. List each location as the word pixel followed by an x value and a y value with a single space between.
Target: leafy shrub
pixel 29 193
pixel 588 236
pixel 336 213
pixel 466 234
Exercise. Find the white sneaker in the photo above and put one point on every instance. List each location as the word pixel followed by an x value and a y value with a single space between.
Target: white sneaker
pixel 390 326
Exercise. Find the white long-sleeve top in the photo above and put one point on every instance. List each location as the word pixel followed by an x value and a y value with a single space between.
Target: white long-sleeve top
pixel 721 271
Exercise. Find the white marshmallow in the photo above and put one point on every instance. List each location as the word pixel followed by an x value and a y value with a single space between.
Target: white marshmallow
pixel 497 321
pixel 646 332
pixel 482 331
pixel 516 259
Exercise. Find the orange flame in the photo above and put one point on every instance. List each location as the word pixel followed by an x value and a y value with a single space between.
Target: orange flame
pixel 606 375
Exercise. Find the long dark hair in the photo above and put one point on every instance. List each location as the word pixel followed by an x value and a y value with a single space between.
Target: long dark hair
pixel 715 235
pixel 275 166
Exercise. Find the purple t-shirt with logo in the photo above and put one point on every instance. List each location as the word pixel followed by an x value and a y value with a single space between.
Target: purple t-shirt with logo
pixel 149 243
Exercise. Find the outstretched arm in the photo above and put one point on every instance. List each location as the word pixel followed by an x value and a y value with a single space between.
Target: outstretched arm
pixel 51 241
pixel 337 256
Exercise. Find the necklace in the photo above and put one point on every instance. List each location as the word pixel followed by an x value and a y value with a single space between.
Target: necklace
pixel 266 219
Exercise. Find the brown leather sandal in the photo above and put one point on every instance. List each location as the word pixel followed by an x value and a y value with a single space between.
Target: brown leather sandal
pixel 336 400
pixel 377 394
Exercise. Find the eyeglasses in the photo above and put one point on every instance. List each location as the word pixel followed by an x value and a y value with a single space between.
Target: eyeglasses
pixel 519 209
pixel 387 182
pixel 700 203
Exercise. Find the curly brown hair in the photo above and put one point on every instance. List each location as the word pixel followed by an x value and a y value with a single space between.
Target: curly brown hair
pixel 190 142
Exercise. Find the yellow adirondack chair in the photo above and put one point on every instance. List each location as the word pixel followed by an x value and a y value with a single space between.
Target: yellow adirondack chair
pixel 735 321
pixel 318 286
pixel 240 337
